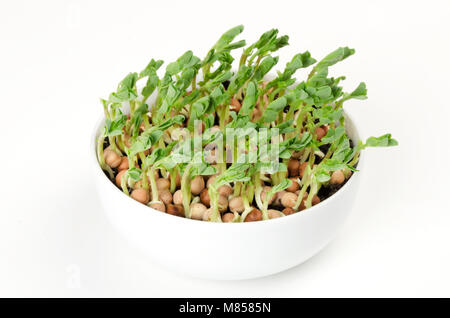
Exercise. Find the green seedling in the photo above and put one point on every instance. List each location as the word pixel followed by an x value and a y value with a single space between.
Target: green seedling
pixel 156 151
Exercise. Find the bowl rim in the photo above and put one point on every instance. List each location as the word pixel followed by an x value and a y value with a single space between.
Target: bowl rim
pixel 136 205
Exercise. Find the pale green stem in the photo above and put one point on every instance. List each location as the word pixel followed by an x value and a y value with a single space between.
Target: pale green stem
pixel 186 190
pixel 314 189
pixel 300 195
pixel 354 160
pixel 101 157
pixel 145 178
pixel 305 155
pixel 120 144
pixel 223 117
pixel 151 176
pixel 214 198
pixel 258 190
pixel 245 199
pixel 173 180
pixel 237 188
pixel 112 144
pixel 124 184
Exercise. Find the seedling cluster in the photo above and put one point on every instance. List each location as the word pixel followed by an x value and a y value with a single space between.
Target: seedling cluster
pixel 173 155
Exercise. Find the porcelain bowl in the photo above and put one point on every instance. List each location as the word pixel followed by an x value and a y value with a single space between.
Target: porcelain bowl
pixel 226 251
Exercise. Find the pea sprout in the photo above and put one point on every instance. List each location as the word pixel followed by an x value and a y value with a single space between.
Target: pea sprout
pixel 209 142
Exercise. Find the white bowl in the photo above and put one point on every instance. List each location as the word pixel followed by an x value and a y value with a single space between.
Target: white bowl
pixel 226 251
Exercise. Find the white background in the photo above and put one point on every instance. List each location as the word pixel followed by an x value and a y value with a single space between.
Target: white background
pixel 58 58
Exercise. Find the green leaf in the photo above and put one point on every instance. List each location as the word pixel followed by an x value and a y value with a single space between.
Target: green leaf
pixel 333 165
pixel 251 96
pixel 335 57
pixel 152 67
pixel 209 120
pixel 273 45
pixel 265 38
pixel 145 141
pixel 129 81
pixel 272 110
pixel 284 184
pixel 359 93
pixel 137 118
pixel 228 36
pixel 333 135
pixel 156 155
pixel 163 85
pixel 294 144
pixel 280 42
pixel 327 114
pixel 225 59
pixel 322 176
pixel 285 154
pixel 264 67
pixel 114 127
pixel 304 141
pixel 173 93
pixel 198 109
pixel 285 127
pixel 342 151
pixel 235 45
pixel 150 86
pixel 217 97
pixel 203 169
pixel 382 141
pixel 239 79
pixel 220 79
pixel 176 120
pixel 186 78
pixel 135 174
pixel 301 60
pixel 324 93
pixel 125 91
pixel 268 42
pixel 187 100
pixel 182 62
pixel 123 95
pixel 239 121
pixel 168 163
pixel 237 172
pixel 320 78
pixel 224 45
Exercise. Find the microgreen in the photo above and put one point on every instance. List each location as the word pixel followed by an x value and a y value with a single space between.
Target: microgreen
pixel 299 145
pixel 135 174
pixel 126 90
pixel 382 141
pixel 114 127
pixel 145 141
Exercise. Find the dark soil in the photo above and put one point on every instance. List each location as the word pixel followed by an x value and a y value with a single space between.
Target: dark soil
pixel 329 190
pixel 226 84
